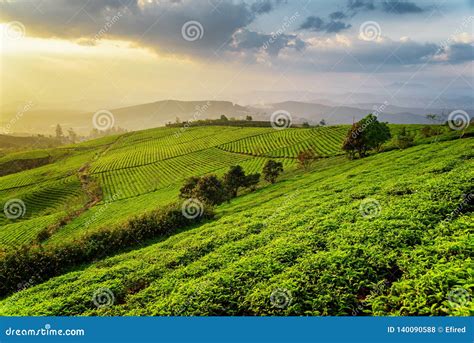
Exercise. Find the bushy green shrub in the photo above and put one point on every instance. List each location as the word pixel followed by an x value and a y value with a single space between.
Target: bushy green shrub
pixel 18 266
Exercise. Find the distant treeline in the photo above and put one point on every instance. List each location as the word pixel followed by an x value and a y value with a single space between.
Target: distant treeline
pixel 15 166
pixel 220 122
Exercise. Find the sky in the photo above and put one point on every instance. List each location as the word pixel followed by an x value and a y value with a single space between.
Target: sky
pixel 112 53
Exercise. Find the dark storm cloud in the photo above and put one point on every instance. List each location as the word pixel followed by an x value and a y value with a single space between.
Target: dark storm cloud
pixel 337 15
pixel 389 6
pixel 400 7
pixel 460 52
pixel 264 6
pixel 156 24
pixel 388 55
pixel 272 43
pixel 317 24
pixel 356 5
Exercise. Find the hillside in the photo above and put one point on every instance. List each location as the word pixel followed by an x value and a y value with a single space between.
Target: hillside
pixel 138 171
pixel 306 234
pixel 388 234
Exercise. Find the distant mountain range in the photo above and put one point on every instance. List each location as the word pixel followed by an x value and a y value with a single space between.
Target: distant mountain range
pixel 160 112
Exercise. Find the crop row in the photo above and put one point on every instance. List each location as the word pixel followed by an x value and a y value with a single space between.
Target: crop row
pixel 176 143
pixel 289 142
pixel 163 173
pixel 305 240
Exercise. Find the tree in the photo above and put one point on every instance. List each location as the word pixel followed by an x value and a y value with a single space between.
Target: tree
pixel 428 131
pixel 353 142
pixel 249 118
pixel 375 132
pixel 365 135
pixel 271 170
pixel 72 135
pixel 404 139
pixel 224 118
pixel 187 190
pixel 305 158
pixel 252 180
pixel 209 189
pixel 306 124
pixel 322 122
pixel 59 132
pixel 233 180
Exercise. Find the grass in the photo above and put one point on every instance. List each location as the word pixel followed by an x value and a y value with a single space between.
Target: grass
pixel 305 238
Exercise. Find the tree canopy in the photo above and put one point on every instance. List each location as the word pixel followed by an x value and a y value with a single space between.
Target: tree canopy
pixel 365 135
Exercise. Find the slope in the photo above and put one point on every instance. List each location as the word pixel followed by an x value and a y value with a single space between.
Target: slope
pixel 389 234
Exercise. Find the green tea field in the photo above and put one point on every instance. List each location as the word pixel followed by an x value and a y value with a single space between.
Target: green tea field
pixel 388 234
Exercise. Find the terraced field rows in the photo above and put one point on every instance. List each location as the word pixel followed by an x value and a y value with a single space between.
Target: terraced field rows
pixel 25 231
pixel 146 151
pixel 288 143
pixel 157 175
pixel 43 199
pixel 146 168
pixel 54 171
pixel 305 235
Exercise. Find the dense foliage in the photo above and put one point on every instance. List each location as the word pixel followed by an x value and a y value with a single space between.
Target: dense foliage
pixel 271 170
pixel 365 135
pixel 308 237
pixel 21 265
pixel 387 234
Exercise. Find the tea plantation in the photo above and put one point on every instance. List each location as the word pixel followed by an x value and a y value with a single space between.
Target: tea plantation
pixel 389 234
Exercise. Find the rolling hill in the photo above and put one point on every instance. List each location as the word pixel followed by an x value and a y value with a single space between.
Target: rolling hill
pixel 158 113
pixel 387 234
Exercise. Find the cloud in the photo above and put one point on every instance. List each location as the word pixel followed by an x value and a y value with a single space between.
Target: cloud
pixel 272 43
pixel 317 24
pixel 460 53
pixel 264 6
pixel 337 15
pixel 342 54
pixel 388 6
pixel 356 5
pixel 400 7
pixel 153 24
